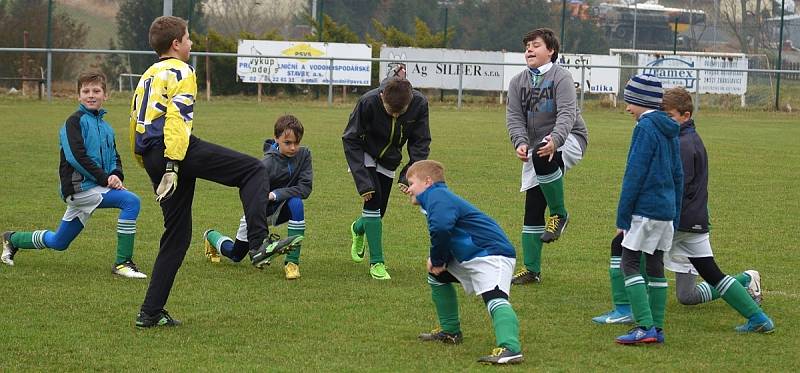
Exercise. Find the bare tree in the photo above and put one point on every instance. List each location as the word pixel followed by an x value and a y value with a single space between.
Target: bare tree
pixel 230 17
pixel 744 19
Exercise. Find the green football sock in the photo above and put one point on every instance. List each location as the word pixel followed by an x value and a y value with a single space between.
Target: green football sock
pixel 506 324
pixel 373 226
pixel 295 230
pixel 215 238
pixel 657 296
pixel 28 240
pixel 737 297
pixel 358 225
pixel 124 247
pixel 446 303
pixel 741 278
pixel 553 189
pixel 618 294
pixel 532 247
pixel 640 303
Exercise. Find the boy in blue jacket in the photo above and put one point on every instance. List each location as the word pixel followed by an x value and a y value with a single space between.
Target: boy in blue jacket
pixel 470 248
pixel 649 206
pixel 290 178
pixel 91 178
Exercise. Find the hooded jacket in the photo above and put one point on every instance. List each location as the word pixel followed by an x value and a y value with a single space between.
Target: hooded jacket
pixel 653 183
pixel 288 177
pixel 694 208
pixel 458 229
pixel 371 130
pixel 88 152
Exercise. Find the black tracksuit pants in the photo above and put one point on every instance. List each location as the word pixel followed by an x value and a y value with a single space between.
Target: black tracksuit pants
pixel 211 162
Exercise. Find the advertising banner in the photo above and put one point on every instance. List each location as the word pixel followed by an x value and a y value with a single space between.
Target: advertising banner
pixel 442 75
pixel 719 82
pixel 303 71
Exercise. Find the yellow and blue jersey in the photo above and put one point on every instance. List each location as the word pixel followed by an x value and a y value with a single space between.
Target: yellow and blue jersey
pixel 162 109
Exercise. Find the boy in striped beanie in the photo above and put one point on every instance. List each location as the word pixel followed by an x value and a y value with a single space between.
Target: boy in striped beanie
pixel 649 206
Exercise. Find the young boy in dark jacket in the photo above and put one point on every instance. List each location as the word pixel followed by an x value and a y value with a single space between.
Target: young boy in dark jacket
pixel 290 177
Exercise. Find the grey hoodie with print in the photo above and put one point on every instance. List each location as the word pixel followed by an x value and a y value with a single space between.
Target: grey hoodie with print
pixel 548 109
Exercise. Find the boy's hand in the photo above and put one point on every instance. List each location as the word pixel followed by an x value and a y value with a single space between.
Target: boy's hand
pixel 548 149
pixel 403 187
pixel 272 196
pixel 434 270
pixel 169 182
pixel 115 183
pixel 522 152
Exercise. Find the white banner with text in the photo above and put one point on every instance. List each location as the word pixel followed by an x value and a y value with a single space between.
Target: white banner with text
pixel 303 71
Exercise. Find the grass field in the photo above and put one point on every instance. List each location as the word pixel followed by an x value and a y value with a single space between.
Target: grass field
pixel 64 311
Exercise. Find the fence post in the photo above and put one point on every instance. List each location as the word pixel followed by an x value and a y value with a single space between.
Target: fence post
pixel 460 82
pixel 330 85
pixel 697 94
pixel 583 81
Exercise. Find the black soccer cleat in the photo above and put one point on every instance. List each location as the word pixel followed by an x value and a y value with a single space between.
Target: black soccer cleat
pixel 554 228
pixel 162 318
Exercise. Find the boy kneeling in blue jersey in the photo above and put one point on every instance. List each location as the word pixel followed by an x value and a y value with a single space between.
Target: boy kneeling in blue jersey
pixel 468 247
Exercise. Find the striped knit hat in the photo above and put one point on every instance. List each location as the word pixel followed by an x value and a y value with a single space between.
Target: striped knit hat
pixel 645 91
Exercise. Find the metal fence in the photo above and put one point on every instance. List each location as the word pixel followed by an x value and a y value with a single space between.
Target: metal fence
pixel 763 84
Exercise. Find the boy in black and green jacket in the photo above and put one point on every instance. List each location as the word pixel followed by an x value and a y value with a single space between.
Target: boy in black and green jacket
pixel 384 119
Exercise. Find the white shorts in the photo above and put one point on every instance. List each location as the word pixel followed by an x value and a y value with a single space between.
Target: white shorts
pixel 81 205
pixel 648 235
pixel 687 245
pixel 484 273
pixel 241 233
pixel 571 154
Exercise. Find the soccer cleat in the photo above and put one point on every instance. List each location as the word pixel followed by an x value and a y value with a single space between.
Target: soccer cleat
pixel 378 272
pixel 9 250
pixel 659 335
pixel 444 337
pixel 212 255
pixel 272 246
pixel 554 228
pixel 639 335
pixel 614 317
pixel 502 355
pixel 357 248
pixel 766 327
pixel 162 318
pixel 754 287
pixel 526 277
pixel 292 271
pixel 128 269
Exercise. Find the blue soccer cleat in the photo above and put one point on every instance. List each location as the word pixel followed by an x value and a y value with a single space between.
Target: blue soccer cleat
pixel 639 335
pixel 760 325
pixel 614 317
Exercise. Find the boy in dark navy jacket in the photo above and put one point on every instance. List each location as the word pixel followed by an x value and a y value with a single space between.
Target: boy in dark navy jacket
pixel 290 178
pixel 470 248
pixel 91 178
pixel 691 248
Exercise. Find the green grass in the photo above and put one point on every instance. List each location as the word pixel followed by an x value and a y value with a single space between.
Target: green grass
pixel 63 311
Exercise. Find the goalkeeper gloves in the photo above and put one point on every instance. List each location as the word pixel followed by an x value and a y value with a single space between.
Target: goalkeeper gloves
pixel 169 182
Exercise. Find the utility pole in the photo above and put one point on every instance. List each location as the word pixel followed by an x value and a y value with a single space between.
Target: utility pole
pixel 780 60
pixel 49 53
pixel 635 12
pixel 563 19
pixel 167 7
